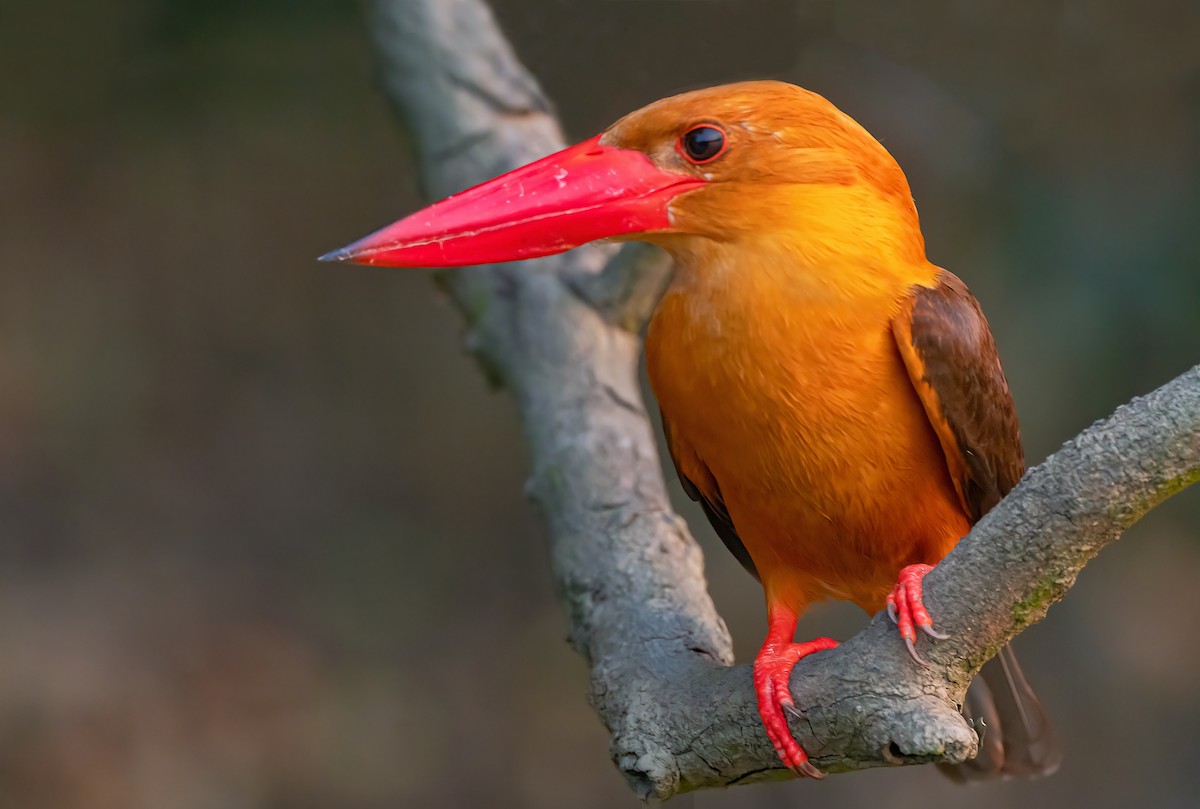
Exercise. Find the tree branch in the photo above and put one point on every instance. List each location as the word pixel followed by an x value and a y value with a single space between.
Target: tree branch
pixel 681 715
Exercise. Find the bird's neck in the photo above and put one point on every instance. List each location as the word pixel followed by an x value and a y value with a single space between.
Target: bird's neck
pixel 811 272
pixel 824 243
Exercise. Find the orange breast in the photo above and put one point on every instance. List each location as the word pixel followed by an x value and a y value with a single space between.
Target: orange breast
pixel 799 408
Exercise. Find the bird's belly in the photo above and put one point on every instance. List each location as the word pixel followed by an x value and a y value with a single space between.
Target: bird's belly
pixel 822 452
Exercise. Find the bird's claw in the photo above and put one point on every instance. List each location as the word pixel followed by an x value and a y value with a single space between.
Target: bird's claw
pixel 772 672
pixel 907 611
pixel 806 769
pixel 933 633
pixel 912 650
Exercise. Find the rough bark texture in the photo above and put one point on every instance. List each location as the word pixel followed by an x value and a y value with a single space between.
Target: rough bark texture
pixel 560 335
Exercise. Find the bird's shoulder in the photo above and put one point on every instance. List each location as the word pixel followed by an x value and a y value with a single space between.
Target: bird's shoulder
pixel 952 362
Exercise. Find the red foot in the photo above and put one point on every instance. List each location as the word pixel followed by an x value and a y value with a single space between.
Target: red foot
pixel 772 671
pixel 905 608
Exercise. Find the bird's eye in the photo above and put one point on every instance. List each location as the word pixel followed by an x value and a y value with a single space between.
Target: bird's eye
pixel 703 144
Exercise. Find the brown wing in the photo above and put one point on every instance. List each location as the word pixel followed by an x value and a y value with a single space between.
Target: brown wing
pixel 704 490
pixel 952 361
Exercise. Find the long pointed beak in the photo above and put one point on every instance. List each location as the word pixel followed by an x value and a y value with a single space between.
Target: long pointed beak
pixel 583 193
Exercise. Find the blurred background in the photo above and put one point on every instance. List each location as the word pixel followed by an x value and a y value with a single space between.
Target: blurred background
pixel 263 542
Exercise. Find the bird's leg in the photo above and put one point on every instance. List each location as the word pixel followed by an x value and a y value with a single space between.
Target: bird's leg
pixel 772 672
pixel 908 612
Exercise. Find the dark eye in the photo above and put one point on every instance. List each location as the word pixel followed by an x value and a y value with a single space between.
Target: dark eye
pixel 703 143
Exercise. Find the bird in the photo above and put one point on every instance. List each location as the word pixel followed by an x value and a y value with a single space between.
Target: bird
pixel 832 399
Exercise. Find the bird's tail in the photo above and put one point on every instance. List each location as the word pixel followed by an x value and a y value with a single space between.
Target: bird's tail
pixel 1015 739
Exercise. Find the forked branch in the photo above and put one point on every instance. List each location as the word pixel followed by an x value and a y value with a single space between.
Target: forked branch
pixel 560 335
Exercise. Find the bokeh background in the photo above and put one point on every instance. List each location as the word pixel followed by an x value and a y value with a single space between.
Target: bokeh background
pixel 262 536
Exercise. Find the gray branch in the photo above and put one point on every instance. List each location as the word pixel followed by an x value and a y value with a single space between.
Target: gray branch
pixel 560 335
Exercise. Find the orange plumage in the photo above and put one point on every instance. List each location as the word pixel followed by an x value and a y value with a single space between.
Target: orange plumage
pixel 773 362
pixel 826 462
pixel 833 400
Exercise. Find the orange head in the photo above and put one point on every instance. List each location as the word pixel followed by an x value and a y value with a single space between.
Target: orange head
pixel 732 164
